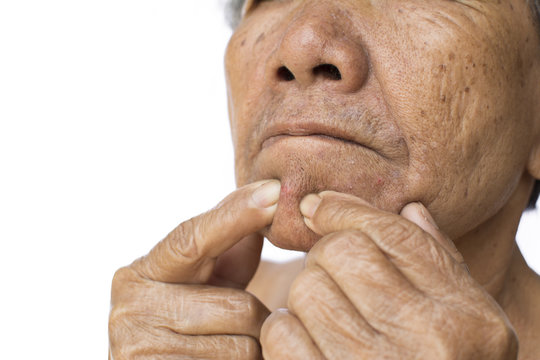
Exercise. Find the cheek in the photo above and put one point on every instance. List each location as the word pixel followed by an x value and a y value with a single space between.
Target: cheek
pixel 245 68
pixel 460 91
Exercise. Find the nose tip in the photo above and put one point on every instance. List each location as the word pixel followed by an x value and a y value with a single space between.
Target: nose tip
pixel 314 51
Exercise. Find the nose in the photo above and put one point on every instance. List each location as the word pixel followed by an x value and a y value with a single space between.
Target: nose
pixel 319 49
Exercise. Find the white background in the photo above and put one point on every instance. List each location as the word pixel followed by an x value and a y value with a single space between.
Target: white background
pixel 113 129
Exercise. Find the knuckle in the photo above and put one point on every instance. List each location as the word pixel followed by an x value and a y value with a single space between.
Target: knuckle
pixel 248 310
pixel 122 285
pixel 254 314
pixel 336 249
pixel 343 242
pixel 252 306
pixel 247 348
pixel 274 330
pixel 121 276
pixel 300 294
pixel 392 232
pixel 120 330
pixel 183 240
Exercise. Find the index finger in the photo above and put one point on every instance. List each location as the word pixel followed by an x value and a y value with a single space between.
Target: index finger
pixel 189 252
pixel 404 242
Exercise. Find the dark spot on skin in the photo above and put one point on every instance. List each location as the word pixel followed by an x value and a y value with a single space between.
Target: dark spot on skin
pixel 422 113
pixel 400 11
pixel 451 56
pixel 243 42
pixel 442 68
pixel 467 89
pixel 443 98
pixel 473 65
pixel 260 38
pixel 511 7
pixel 466 193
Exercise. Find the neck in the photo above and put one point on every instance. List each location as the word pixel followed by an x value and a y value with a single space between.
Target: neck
pixel 495 261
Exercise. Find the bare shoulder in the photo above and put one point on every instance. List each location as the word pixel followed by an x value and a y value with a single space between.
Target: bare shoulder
pixel 272 281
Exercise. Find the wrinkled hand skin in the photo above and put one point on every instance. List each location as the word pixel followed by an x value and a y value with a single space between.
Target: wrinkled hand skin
pixel 186 298
pixel 384 286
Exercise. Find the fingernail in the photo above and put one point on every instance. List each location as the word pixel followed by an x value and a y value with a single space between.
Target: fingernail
pixel 309 205
pixel 267 194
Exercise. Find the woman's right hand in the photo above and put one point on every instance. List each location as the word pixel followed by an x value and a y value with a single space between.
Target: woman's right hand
pixel 186 297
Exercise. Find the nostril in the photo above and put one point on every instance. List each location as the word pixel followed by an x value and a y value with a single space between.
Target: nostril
pixel 285 74
pixel 327 71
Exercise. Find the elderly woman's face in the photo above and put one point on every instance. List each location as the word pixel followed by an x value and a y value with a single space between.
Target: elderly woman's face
pixel 393 101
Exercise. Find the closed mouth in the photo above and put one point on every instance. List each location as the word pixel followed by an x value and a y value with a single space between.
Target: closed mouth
pixel 321 136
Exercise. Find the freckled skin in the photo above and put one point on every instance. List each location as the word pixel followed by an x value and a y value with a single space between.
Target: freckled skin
pixel 447 79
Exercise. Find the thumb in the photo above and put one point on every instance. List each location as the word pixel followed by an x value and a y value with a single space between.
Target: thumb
pixel 418 214
pixel 235 267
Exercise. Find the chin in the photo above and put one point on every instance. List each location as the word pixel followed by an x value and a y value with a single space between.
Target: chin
pixel 288 230
pixel 311 169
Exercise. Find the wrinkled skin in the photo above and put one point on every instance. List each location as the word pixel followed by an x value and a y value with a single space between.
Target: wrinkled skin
pixel 405 136
pixel 180 300
pixel 437 92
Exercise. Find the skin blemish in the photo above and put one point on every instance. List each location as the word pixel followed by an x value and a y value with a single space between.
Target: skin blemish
pixel 467 89
pixel 285 189
pixel 260 38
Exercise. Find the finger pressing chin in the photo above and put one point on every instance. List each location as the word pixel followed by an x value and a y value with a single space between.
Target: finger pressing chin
pixel 410 247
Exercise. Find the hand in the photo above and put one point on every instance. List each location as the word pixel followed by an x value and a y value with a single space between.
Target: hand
pixel 384 286
pixel 186 297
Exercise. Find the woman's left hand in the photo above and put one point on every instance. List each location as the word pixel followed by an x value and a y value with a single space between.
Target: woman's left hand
pixel 384 286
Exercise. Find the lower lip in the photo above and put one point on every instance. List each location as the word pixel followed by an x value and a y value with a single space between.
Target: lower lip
pixel 274 139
